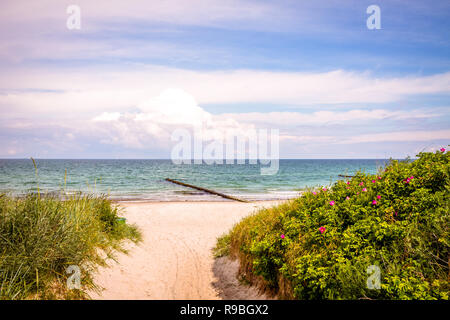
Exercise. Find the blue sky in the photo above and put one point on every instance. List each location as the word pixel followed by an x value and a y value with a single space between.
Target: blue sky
pixel 311 69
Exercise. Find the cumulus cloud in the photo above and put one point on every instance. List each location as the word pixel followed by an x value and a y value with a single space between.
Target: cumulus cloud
pixel 173 106
pixel 157 117
pixel 149 124
pixel 107 116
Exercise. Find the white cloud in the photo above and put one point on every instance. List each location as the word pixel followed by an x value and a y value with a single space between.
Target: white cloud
pixel 173 106
pixel 157 118
pixel 107 116
pixel 400 136
pixel 329 117
pixel 81 91
pixel 309 139
pixel 150 125
pixel 214 13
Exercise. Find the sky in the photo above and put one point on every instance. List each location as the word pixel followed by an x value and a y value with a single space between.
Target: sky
pixel 135 71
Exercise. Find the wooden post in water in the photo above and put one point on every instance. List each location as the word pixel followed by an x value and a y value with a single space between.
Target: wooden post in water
pixel 206 190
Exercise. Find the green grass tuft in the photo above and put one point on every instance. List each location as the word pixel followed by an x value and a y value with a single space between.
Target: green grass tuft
pixel 41 236
pixel 222 246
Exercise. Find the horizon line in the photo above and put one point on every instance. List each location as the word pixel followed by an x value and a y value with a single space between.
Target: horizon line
pixel 209 159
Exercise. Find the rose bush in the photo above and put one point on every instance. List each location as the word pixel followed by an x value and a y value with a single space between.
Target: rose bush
pixel 397 220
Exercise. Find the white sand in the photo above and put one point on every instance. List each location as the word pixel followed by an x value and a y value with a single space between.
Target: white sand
pixel 174 260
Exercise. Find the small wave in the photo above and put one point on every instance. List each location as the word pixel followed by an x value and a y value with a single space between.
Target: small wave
pixel 179 195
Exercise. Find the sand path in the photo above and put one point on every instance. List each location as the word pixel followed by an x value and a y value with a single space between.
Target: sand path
pixel 174 260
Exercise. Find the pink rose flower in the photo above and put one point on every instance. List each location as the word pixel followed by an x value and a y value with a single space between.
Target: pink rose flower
pixel 442 149
pixel 348 182
pixel 374 202
pixel 379 178
pixel 324 189
pixel 361 184
pixel 282 236
pixel 314 193
pixel 322 229
pixel 378 197
pixel 364 189
pixel 373 181
pixel 331 203
pixel 347 198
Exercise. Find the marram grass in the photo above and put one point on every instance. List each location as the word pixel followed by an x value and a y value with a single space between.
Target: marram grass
pixel 41 236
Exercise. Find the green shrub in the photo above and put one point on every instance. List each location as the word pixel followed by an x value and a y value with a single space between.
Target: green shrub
pixel 41 236
pixel 320 245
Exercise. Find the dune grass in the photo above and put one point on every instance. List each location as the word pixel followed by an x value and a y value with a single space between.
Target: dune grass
pixel 41 236
pixel 328 243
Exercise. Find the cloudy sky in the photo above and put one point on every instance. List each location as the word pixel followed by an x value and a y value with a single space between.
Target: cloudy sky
pixel 137 70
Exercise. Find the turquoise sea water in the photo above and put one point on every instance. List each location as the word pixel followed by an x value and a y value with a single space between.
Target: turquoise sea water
pixel 144 179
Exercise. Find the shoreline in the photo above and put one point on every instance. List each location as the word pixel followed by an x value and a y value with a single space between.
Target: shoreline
pixel 175 258
pixel 203 197
pixel 196 201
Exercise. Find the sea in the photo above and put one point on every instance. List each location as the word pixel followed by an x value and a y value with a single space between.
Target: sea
pixel 144 180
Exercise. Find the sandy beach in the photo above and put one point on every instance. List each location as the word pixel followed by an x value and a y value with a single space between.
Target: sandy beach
pixel 174 260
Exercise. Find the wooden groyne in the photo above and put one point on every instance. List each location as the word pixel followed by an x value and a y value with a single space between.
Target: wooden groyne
pixel 344 176
pixel 206 190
